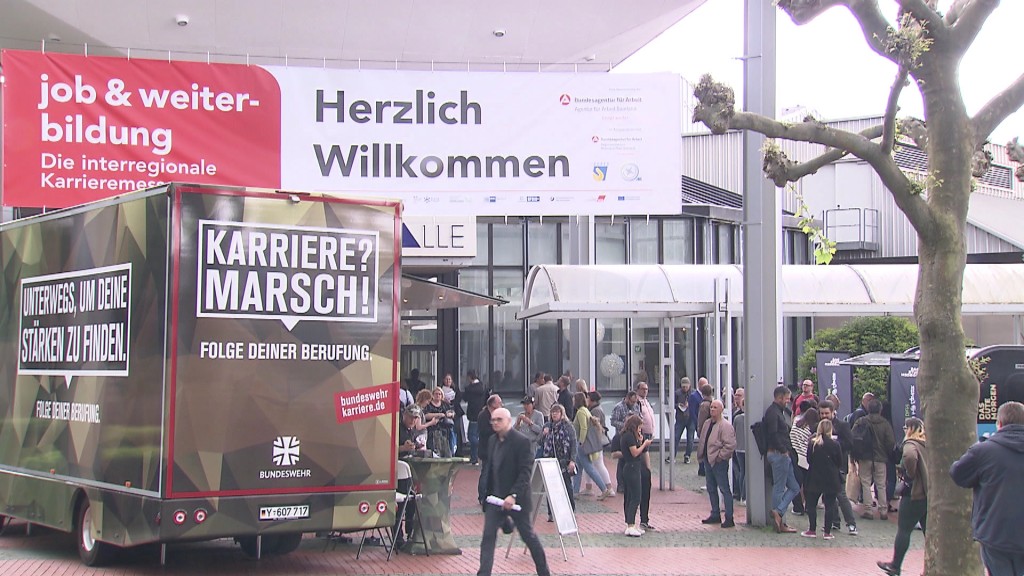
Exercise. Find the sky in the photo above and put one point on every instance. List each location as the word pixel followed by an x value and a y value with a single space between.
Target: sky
pixel 826 66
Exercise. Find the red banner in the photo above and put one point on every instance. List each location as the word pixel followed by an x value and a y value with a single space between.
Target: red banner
pixel 77 132
pixel 365 402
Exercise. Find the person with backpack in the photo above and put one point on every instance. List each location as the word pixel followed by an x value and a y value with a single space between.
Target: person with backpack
pixel 873 440
pixel 775 425
pixel 853 477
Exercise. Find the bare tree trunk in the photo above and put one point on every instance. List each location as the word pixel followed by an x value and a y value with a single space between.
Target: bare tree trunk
pixel 949 391
pixel 949 395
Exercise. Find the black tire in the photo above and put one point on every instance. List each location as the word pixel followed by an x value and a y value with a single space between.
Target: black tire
pixel 286 543
pixel 273 544
pixel 248 545
pixel 91 551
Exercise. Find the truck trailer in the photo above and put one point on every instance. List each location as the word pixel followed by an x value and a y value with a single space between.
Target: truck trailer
pixel 193 362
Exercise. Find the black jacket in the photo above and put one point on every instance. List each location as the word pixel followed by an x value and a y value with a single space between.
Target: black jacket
pixel 508 472
pixel 823 461
pixel 994 469
pixel 841 429
pixel 475 397
pixel 485 431
pixel 885 440
pixel 776 428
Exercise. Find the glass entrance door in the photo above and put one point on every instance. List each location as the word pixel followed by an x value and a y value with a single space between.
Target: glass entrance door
pixel 423 358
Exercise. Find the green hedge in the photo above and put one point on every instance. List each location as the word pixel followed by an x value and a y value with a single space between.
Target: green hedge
pixel 859 336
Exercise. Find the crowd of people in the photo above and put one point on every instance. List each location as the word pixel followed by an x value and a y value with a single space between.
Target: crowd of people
pixel 813 457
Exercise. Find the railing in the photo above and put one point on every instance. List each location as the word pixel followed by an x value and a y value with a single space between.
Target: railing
pixel 853 228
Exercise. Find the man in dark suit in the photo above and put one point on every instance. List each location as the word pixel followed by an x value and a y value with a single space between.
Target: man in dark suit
pixel 506 474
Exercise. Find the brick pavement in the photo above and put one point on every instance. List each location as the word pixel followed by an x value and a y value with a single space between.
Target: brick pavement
pixel 681 546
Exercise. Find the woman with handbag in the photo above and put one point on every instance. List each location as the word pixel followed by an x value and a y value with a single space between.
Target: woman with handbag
pixel 590 446
pixel 560 443
pixel 440 415
pixel 913 491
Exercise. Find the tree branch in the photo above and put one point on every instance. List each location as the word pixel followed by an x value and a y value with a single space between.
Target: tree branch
pixel 953 13
pixel 972 17
pixel 797 170
pixel 901 187
pixel 803 11
pixel 1016 153
pixel 891 107
pixel 924 11
pixel 716 109
pixel 873 25
pixel 998 109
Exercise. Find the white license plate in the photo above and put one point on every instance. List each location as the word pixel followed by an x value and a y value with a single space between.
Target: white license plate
pixel 284 512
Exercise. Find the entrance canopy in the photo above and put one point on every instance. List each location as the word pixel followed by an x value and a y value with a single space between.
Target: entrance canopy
pixel 423 294
pixel 672 291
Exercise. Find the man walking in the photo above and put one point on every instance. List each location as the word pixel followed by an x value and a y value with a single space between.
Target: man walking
pixel 506 474
pixel 486 430
pixel 776 425
pixel 993 469
pixel 715 448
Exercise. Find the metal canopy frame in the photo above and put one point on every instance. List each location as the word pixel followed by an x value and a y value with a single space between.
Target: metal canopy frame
pixel 676 291
pixel 668 292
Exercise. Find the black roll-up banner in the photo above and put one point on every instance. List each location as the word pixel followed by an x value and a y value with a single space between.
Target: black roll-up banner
pixel 903 394
pixel 835 378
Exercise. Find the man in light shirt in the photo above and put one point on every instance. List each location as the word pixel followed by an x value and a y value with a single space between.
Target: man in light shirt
pixel 647 428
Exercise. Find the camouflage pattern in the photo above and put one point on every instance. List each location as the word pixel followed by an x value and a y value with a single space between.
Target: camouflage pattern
pixel 186 412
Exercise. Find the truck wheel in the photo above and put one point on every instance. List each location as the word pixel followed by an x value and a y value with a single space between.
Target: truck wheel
pixel 286 543
pixel 273 544
pixel 248 545
pixel 91 551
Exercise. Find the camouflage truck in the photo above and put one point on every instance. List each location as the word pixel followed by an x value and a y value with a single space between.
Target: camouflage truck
pixel 192 362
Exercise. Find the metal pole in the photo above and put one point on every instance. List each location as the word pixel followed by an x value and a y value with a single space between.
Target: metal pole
pixel 760 245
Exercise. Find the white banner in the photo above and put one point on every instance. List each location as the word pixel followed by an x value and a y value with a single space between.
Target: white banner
pixel 78 129
pixel 485 143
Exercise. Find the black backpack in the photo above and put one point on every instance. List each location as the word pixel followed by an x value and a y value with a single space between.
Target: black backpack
pixel 863 441
pixel 757 429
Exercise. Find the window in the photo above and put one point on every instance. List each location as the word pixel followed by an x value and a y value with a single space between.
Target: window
pixel 643 237
pixel 679 241
pixel 612 355
pixel 508 244
pixel 474 340
pixel 610 242
pixel 542 243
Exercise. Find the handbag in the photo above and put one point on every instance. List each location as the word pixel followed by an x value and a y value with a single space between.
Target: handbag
pixel 903 488
pixel 596 439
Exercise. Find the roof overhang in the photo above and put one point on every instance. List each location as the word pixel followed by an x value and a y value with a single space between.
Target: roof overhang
pixel 424 294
